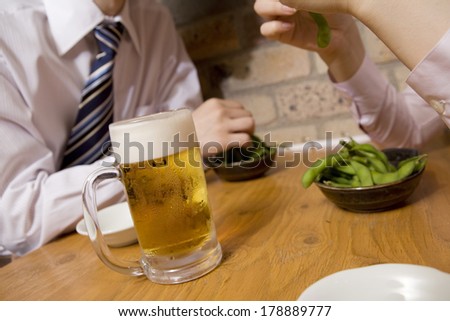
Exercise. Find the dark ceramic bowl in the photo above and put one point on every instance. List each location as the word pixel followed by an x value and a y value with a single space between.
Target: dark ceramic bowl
pixel 379 197
pixel 240 164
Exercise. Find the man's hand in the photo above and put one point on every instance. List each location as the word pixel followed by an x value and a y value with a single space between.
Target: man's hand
pixel 222 124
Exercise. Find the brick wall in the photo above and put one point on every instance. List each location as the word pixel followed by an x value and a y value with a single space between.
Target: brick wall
pixel 287 89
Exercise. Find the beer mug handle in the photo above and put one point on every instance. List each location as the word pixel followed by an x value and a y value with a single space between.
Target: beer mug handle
pixel 93 227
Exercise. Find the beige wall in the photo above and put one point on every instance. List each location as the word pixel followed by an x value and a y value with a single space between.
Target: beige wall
pixel 287 89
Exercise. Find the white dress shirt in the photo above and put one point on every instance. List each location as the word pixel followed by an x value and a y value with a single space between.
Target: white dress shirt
pixel 404 119
pixel 46 51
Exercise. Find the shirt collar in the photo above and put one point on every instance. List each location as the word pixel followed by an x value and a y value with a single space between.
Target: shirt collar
pixel 71 20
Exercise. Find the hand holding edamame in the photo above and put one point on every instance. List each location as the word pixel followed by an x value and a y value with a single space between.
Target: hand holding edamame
pixel 324 32
pixel 400 24
pixel 334 37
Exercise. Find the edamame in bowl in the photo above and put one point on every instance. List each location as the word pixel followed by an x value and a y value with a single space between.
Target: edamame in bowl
pixel 361 178
pixel 244 163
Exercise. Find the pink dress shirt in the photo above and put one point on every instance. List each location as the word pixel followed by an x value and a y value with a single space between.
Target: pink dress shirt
pixel 404 119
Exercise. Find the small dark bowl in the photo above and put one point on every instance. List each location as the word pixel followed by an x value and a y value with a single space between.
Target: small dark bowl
pixel 245 170
pixel 239 164
pixel 379 197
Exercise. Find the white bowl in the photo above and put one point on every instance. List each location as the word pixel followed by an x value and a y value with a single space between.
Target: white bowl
pixel 382 282
pixel 116 225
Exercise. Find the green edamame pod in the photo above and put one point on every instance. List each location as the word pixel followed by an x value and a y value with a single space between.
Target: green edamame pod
pixel 360 159
pixel 341 180
pixel 391 168
pixel 407 168
pixel 344 153
pixel 324 32
pixel 421 162
pixel 310 175
pixel 355 181
pixel 317 168
pixel 348 145
pixel 373 150
pixel 346 169
pixel 378 165
pixel 363 173
pixel 384 178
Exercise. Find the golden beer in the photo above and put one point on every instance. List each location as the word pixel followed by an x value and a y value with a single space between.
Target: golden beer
pixel 158 161
pixel 169 203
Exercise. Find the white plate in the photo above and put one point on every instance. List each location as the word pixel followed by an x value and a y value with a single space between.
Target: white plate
pixel 382 282
pixel 116 225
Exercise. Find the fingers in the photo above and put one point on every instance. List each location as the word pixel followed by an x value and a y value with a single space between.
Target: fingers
pixel 236 118
pixel 227 109
pixel 245 124
pixel 237 140
pixel 222 123
pixel 233 140
pixel 320 6
pixel 234 112
pixel 274 29
pixel 280 20
pixel 270 9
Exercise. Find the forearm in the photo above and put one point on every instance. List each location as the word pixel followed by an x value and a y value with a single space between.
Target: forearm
pixel 37 206
pixel 410 28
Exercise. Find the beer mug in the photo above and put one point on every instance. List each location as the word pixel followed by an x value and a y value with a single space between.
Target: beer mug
pixel 158 161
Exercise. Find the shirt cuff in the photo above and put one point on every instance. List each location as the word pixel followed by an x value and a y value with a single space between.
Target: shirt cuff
pixel 431 78
pixel 366 88
pixel 366 82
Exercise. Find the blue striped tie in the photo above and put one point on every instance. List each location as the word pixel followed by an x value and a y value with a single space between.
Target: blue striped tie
pixel 89 139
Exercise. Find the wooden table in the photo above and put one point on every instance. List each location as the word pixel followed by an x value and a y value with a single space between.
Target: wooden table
pixel 277 238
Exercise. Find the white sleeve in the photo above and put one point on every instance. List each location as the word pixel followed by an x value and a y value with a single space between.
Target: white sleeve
pixel 37 202
pixel 179 85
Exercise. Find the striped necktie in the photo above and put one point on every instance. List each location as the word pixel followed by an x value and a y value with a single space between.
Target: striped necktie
pixel 89 138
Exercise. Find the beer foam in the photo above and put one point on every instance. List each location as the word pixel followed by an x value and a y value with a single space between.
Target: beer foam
pixel 153 136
